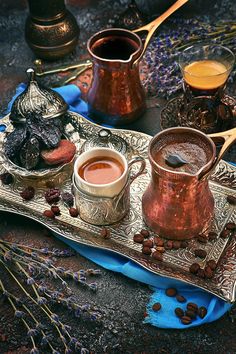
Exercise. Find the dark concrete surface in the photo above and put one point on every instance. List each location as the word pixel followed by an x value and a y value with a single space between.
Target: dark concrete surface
pixel 121 300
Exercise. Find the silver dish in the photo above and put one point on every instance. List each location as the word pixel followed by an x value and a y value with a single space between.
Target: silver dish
pixel 175 263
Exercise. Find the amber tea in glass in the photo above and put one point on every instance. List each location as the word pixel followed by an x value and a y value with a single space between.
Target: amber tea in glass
pixel 205 70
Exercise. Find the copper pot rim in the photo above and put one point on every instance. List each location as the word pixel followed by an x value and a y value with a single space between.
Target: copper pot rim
pixel 204 169
pixel 115 31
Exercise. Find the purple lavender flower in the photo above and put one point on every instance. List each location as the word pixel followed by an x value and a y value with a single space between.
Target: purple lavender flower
pixel 41 300
pixel 84 351
pixel 19 314
pixel 32 332
pixel 30 281
pixel 55 318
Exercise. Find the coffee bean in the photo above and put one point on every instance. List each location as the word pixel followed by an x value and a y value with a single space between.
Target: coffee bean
pixel 194 268
pixel 180 298
pixel 160 249
pixel 145 233
pixel 191 314
pixel 231 226
pixel 146 250
pixel 191 306
pixel 105 233
pixel 148 243
pixel 208 272
pixel 171 292
pixel 184 244
pixel 168 245
pixel 225 233
pixel 49 214
pixel 200 253
pixel 179 312
pixel 156 307
pixel 186 320
pixel 201 273
pixel 202 311
pixel 138 238
pixel 56 210
pixel 73 212
pixel 157 255
pixel 212 236
pixel 176 245
pixel 202 238
pixel 212 264
pixel 231 199
pixel 158 241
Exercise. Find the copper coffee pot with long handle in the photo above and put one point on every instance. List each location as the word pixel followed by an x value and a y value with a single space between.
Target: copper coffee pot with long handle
pixel 116 95
pixel 176 204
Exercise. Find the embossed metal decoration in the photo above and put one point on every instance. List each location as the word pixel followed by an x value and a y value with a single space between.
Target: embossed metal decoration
pixel 37 99
pixel 175 262
pixel 51 30
pixel 176 113
pixel 105 138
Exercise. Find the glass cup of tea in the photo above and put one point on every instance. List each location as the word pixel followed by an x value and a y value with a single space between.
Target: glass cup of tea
pixel 205 69
pixel 101 183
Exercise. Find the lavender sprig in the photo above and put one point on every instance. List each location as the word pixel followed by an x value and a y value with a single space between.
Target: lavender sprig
pixel 29 264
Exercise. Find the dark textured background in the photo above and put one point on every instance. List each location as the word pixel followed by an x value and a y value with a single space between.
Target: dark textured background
pixel 122 300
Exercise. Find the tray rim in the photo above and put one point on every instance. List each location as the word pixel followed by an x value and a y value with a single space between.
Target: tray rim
pixel 85 241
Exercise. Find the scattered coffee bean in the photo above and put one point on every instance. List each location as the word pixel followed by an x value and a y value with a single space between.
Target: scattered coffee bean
pixel 105 233
pixel 160 249
pixel 208 272
pixel 231 199
pixel 49 214
pixel 138 238
pixel 184 244
pixel 157 255
pixel 231 226
pixel 180 298
pixel 52 195
pixel 73 212
pixel 194 268
pixel 56 210
pixel 212 236
pixel 146 250
pixel 158 241
pixel 168 245
pixel 148 243
pixel 202 311
pixel 176 245
pixel 212 264
pixel 201 273
pixel 68 199
pixel 179 312
pixel 6 178
pixel 186 320
pixel 192 306
pixel 200 253
pixel 191 314
pixel 202 238
pixel 145 233
pixel 171 292
pixel 225 233
pixel 156 307
pixel 28 193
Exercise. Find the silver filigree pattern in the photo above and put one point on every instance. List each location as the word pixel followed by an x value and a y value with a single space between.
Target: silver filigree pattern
pixel 175 263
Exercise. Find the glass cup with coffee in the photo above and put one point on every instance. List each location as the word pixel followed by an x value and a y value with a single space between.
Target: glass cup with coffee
pixel 101 181
pixel 205 69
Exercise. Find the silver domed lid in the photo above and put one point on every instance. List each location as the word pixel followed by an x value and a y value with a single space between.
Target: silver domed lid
pixel 39 99
pixel 105 138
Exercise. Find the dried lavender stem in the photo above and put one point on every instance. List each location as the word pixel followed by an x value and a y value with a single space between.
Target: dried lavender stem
pixel 22 319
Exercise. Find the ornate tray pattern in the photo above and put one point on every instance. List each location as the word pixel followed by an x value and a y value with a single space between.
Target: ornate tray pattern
pixel 175 263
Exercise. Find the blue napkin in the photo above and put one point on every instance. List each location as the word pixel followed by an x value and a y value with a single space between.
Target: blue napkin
pixel 165 318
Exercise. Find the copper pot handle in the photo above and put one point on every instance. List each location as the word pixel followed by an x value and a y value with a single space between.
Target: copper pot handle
pixel 229 137
pixel 152 26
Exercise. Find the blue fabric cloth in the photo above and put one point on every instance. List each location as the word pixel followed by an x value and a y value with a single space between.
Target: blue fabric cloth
pixel 165 318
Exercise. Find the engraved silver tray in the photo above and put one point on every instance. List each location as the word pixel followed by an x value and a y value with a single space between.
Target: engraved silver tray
pixel 175 262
